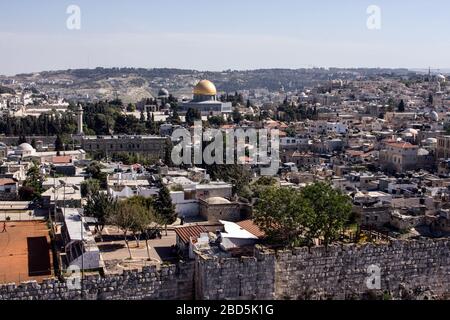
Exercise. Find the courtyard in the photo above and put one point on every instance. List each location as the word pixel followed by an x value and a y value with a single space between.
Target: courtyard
pixel 115 254
pixel 25 252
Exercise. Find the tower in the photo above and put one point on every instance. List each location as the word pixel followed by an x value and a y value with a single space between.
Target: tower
pixel 80 120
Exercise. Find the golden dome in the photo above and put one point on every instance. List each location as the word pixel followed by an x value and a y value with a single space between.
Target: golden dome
pixel 205 88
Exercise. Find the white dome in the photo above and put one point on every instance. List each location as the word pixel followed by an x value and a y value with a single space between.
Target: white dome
pixel 431 140
pixel 26 147
pixel 407 134
pixel 440 77
pixel 434 116
pixel 163 93
pixel 411 131
pixel 217 200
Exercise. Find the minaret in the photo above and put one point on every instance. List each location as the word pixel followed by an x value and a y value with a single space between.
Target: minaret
pixel 80 120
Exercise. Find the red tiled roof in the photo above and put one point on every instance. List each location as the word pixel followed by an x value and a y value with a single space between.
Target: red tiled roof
pixel 6 181
pixel 354 153
pixel 251 227
pixel 61 159
pixel 187 232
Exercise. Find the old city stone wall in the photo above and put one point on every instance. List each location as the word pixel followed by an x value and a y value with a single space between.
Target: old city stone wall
pixel 409 270
pixel 236 278
pixel 170 282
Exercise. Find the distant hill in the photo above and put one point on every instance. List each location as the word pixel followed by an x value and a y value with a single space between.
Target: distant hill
pixel 133 84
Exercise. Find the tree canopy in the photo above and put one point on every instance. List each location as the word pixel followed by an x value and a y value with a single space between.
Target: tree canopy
pixel 293 217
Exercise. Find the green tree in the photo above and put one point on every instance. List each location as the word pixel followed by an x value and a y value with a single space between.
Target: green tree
pixel 281 214
pixel 292 217
pixel 237 116
pixel 100 205
pixel 401 106
pixel 332 210
pixel 22 139
pixel 236 174
pixel 34 180
pixel 192 115
pixel 89 187
pixel 94 170
pixel 164 207
pixel 125 216
pixel 145 219
pixel 59 144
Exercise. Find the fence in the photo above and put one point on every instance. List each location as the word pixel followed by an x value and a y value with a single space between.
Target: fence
pixel 22 277
pixel 20 216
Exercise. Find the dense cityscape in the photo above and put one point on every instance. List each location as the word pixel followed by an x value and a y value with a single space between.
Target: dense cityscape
pixel 89 184
pixel 224 159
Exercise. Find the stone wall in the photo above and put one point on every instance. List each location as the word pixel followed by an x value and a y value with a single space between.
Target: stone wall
pixel 409 270
pixel 236 278
pixel 170 282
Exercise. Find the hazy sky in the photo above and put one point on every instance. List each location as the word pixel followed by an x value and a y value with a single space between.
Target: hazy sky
pixel 219 35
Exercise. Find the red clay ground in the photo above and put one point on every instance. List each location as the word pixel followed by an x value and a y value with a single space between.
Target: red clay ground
pixel 25 252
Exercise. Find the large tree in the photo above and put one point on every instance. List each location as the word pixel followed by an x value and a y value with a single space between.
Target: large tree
pixel 33 181
pixel 164 207
pixel 293 217
pixel 59 144
pixel 89 187
pixel 401 106
pixel 332 210
pixel 281 214
pixel 100 205
pixel 192 115
pixel 125 217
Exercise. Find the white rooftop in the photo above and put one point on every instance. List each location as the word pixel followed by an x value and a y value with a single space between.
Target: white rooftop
pixel 233 230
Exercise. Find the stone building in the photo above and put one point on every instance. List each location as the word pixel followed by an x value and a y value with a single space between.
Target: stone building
pixel 399 156
pixel 8 189
pixel 150 146
pixel 443 147
pixel 218 208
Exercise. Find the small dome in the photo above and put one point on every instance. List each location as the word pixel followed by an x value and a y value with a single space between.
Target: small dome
pixel 217 200
pixel 205 88
pixel 411 131
pixel 163 93
pixel 167 106
pixel 440 77
pixel 26 147
pixel 407 134
pixel 431 140
pixel 434 116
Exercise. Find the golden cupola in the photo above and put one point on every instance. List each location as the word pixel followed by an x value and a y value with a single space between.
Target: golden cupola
pixel 205 88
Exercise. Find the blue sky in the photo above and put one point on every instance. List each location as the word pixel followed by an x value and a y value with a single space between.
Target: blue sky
pixel 218 35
